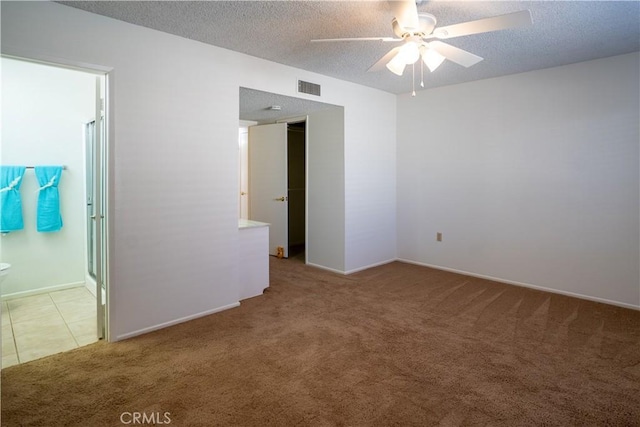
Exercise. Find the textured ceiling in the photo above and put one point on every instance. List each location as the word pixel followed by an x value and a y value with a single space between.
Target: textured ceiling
pixel 563 32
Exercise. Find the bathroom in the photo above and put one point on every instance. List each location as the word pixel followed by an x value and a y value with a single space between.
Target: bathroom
pixel 48 293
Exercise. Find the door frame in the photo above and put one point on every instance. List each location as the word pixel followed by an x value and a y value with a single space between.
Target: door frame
pixel 107 175
pixel 305 119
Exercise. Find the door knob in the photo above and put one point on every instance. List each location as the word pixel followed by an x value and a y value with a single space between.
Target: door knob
pixel 242 193
pixel 281 199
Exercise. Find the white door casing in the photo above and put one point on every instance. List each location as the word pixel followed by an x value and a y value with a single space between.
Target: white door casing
pixel 98 214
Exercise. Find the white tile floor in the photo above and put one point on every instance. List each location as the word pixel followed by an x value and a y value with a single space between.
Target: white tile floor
pixel 45 324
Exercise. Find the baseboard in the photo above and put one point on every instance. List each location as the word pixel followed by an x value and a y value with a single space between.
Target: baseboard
pixel 378 264
pixel 42 290
pixel 90 284
pixel 322 267
pixel 174 322
pixel 355 270
pixel 525 285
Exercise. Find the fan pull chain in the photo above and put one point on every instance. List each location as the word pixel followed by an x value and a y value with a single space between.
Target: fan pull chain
pixel 421 73
pixel 413 80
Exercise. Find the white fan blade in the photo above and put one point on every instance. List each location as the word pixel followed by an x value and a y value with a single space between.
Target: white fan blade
pixel 380 65
pixel 455 54
pixel 406 13
pixel 359 39
pixel 502 22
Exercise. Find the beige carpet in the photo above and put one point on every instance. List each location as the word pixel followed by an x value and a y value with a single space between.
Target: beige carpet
pixel 394 345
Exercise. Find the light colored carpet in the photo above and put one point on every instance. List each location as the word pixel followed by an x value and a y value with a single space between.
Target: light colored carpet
pixel 394 345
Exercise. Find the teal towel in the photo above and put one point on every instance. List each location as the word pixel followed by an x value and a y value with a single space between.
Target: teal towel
pixel 48 216
pixel 10 202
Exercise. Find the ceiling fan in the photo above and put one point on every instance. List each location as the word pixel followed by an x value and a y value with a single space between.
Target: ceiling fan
pixel 421 38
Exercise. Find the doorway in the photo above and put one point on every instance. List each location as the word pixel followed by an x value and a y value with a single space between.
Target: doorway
pixel 277 184
pixel 324 152
pixel 45 114
pixel 296 188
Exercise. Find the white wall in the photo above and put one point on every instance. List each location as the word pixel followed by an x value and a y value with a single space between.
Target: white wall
pixel 325 174
pixel 370 183
pixel 174 129
pixel 44 110
pixel 531 178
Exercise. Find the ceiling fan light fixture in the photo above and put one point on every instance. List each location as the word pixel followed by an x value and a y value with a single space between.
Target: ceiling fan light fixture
pixel 409 53
pixel 431 58
pixel 416 28
pixel 397 65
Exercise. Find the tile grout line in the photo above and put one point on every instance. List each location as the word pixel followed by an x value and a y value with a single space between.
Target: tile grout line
pixel 15 342
pixel 13 334
pixel 65 321
pixel 75 338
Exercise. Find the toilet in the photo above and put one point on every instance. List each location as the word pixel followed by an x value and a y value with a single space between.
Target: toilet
pixel 4 270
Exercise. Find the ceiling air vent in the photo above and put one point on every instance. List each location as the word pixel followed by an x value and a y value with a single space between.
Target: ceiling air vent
pixel 310 88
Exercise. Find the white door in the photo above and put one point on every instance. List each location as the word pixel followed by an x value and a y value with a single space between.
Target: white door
pixel 268 182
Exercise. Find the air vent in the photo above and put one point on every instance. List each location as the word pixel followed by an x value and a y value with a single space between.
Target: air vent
pixel 310 88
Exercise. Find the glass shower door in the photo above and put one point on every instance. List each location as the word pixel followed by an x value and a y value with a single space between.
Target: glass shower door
pixel 96 206
pixel 90 142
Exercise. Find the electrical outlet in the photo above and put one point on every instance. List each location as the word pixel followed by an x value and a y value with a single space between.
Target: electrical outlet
pixel 439 237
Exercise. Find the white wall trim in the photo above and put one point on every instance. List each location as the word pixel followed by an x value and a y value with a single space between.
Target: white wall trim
pixel 175 322
pixel 45 290
pixel 525 285
pixel 377 264
pixel 355 270
pixel 90 284
pixel 322 267
pixel 46 59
